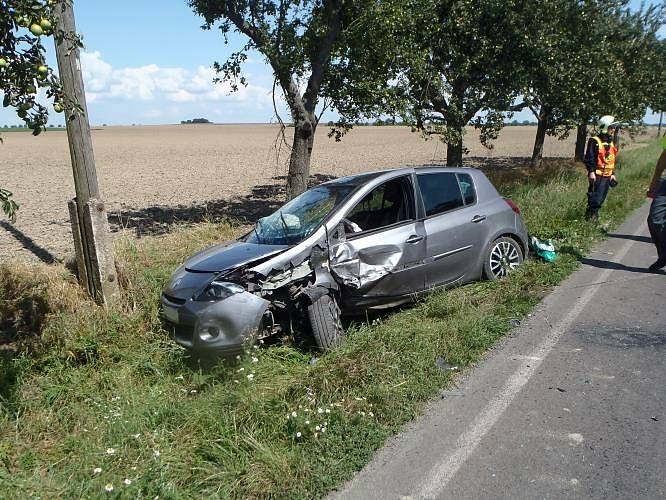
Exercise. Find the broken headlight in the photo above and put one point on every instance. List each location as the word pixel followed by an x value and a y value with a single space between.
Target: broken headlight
pixel 219 290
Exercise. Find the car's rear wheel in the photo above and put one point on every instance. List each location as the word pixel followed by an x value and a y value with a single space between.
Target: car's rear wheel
pixel 503 257
pixel 324 315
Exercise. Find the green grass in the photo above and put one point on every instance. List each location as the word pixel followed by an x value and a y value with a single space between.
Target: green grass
pixel 87 388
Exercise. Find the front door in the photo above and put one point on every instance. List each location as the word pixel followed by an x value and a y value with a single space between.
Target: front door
pixel 378 250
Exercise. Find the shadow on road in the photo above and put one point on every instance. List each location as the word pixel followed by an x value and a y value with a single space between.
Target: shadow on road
pixel 604 264
pixel 642 239
pixel 28 243
pixel 262 200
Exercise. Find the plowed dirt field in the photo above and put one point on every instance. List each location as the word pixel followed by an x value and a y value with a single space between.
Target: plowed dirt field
pixel 153 177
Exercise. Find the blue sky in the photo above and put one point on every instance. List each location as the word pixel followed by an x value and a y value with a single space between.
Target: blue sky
pixel 153 67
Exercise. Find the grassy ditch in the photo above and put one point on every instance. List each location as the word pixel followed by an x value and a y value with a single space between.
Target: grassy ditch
pixel 94 400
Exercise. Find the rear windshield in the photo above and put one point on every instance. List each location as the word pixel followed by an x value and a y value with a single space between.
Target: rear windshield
pixel 299 218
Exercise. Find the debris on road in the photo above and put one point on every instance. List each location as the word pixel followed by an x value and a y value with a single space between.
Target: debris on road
pixel 444 366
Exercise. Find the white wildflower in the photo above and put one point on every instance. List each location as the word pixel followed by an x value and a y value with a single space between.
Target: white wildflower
pixel 180 377
pixel 255 359
pixel 238 356
pixel 317 428
pixel 371 414
pixel 298 434
pixel 307 422
pixel 110 451
pixel 358 399
pixel 97 470
pixel 250 376
pixel 193 391
pixel 156 453
pixel 294 414
pixel 136 436
pixel 108 487
pixel 241 369
pixel 127 481
pixel 323 429
pixel 320 410
pixel 328 410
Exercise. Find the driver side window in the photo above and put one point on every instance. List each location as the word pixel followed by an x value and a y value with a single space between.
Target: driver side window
pixel 387 204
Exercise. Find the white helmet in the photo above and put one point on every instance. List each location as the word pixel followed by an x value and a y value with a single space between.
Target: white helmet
pixel 605 122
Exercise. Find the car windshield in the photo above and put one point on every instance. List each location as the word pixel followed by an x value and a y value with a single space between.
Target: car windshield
pixel 298 219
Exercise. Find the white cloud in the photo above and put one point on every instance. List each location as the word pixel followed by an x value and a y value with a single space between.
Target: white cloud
pixel 154 83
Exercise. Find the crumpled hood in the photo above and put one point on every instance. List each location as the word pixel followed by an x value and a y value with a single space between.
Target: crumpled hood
pixel 227 256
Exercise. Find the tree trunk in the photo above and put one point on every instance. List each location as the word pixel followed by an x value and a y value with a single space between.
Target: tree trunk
pixel 454 153
pixel 542 127
pixel 299 161
pixel 581 141
pixel 661 119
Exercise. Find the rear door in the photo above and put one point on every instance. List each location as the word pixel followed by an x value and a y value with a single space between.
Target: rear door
pixel 380 247
pixel 456 228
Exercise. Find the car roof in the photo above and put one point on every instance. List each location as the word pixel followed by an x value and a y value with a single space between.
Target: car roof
pixel 359 179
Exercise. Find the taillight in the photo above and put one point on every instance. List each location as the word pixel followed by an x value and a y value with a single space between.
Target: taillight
pixel 513 206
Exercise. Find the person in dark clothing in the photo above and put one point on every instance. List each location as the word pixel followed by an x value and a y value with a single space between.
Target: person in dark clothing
pixel 657 217
pixel 600 162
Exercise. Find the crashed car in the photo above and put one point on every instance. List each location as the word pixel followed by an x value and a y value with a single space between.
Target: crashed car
pixel 368 241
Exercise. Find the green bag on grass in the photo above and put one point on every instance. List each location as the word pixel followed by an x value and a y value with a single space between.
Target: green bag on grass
pixel 544 249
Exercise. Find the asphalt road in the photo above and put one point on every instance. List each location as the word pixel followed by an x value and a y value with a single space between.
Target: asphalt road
pixel 571 405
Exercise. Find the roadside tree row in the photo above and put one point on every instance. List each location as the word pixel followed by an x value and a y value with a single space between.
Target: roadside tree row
pixel 441 65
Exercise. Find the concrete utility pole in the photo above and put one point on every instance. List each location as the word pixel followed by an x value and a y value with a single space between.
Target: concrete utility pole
pixel 90 227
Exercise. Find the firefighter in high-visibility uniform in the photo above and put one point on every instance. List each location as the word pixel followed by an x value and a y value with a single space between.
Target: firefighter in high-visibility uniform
pixel 600 160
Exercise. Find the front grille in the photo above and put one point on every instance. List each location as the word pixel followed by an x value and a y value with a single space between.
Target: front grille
pixel 182 334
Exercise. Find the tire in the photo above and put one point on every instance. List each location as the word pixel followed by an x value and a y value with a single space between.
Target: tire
pixel 324 315
pixel 503 257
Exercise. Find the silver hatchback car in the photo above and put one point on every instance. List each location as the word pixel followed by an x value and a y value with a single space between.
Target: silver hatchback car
pixel 368 241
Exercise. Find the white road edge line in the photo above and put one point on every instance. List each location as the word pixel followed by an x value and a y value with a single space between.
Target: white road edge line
pixel 440 475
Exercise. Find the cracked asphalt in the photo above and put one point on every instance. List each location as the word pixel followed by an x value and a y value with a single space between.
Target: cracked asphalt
pixel 572 404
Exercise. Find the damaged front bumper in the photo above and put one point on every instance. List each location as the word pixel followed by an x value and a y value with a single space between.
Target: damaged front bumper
pixel 214 328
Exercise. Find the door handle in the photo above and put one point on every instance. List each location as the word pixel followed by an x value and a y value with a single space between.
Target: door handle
pixel 478 218
pixel 414 239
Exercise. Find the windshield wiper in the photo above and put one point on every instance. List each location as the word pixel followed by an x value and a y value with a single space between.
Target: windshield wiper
pixel 254 228
pixel 285 228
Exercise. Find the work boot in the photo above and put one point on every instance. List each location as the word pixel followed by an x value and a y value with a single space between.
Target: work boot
pixel 592 216
pixel 659 264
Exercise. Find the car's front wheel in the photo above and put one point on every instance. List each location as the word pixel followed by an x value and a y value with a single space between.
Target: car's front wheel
pixel 324 315
pixel 504 256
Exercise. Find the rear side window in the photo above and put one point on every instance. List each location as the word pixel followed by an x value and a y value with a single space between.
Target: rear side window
pixel 467 188
pixel 440 192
